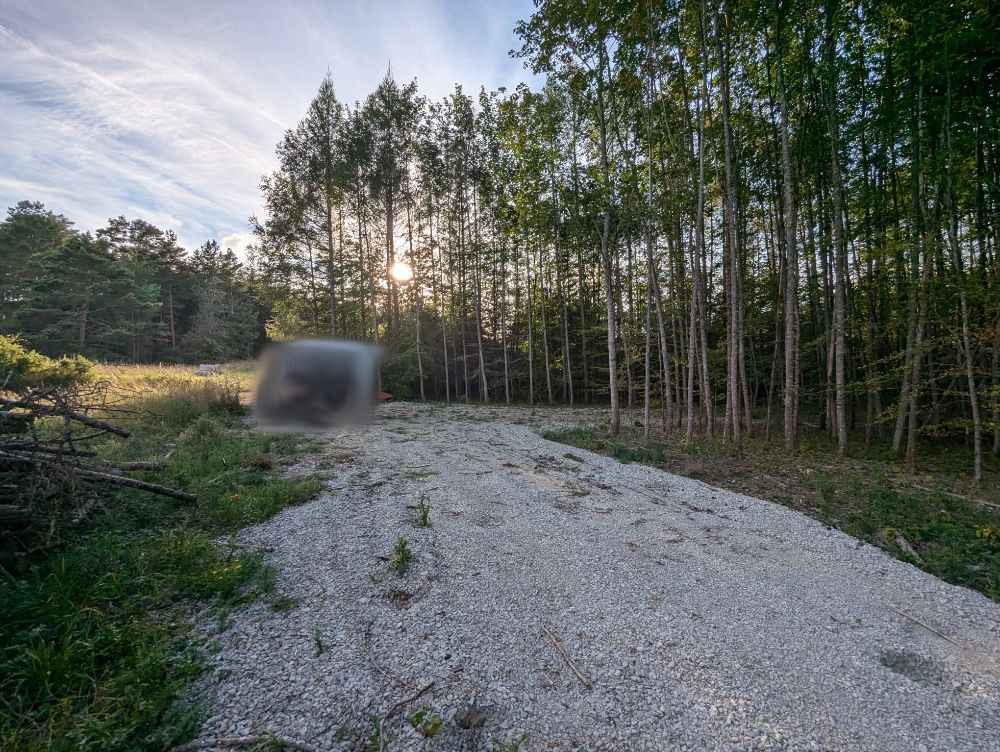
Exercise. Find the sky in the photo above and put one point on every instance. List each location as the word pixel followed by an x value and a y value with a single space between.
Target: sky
pixel 170 110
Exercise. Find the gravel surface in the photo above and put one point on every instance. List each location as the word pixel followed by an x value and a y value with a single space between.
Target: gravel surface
pixel 563 600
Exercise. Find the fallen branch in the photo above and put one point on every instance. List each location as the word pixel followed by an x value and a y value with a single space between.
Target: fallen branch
pixel 232 742
pixel 86 420
pixel 12 416
pixel 403 703
pixel 569 661
pixel 926 626
pixel 34 446
pixel 12 513
pixel 970 499
pixel 395 709
pixel 121 480
pixel 142 465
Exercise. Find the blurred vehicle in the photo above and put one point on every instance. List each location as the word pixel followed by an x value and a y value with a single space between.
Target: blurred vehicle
pixel 315 383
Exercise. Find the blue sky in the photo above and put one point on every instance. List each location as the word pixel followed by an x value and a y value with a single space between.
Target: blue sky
pixel 169 111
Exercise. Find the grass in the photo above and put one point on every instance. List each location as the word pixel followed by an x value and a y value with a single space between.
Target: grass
pixel 864 494
pixel 96 643
pixel 402 554
pixel 424 511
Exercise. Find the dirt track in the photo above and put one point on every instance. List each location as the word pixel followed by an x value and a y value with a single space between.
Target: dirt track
pixel 562 600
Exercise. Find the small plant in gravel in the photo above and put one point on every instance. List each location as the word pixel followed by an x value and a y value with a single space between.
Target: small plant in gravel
pixel 424 511
pixel 269 740
pixel 376 579
pixel 402 554
pixel 284 604
pixel 318 644
pixel 511 746
pixel 426 722
pixel 375 738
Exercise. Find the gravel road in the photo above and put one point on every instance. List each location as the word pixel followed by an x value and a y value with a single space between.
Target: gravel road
pixel 562 600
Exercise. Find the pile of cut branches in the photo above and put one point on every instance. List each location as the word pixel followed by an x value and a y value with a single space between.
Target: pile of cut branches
pixel 46 470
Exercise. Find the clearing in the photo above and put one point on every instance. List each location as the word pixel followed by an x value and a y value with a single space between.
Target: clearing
pixel 559 599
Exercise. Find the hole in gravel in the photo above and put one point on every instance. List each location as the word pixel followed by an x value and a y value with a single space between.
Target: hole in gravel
pixel 401 599
pixel 487 521
pixel 912 666
pixel 566 505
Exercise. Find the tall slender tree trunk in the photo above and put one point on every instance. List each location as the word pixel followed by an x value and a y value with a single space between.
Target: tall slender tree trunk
pixel 609 295
pixel 477 272
pixel 545 328
pixel 531 338
pixel 646 362
pixel 652 281
pixel 839 250
pixel 734 340
pixel 503 324
pixel 791 258
pixel 960 281
pixel 331 266
pixel 415 287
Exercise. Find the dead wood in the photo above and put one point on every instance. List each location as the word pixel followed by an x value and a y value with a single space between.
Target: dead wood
pixel 43 469
pixel 43 410
pixel 569 661
pixel 122 480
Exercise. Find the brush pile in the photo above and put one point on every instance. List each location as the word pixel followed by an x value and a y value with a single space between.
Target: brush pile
pixel 46 468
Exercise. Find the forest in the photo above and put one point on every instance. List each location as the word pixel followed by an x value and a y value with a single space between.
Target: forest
pixel 741 218
pixel 128 292
pixel 694 340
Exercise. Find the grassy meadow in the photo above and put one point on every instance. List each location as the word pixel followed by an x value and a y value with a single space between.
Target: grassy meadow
pixel 97 640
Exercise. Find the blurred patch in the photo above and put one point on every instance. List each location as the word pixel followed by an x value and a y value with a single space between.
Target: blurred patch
pixel 314 383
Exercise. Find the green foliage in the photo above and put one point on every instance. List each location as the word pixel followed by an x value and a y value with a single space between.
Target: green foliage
pixel 93 649
pixel 192 404
pixel 946 532
pixel 511 746
pixel 375 737
pixel 424 510
pixel 29 230
pixel 224 325
pixel 130 292
pixel 284 604
pixel 96 642
pixel 21 367
pixel 402 554
pixel 426 722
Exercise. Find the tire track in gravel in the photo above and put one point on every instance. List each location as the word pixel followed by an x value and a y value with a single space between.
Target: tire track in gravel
pixel 702 618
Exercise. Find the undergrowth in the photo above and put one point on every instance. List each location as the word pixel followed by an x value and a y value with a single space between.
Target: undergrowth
pixel 949 536
pixel 95 642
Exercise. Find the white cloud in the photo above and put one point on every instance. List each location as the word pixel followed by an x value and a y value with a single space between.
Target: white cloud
pixel 171 111
pixel 238 242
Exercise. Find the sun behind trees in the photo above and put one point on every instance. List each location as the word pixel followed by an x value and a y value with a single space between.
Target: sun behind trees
pixel 753 220
pixel 707 208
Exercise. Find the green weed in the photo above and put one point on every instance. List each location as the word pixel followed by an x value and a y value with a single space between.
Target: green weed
pixel 401 556
pixel 95 643
pixel 427 723
pixel 284 604
pixel 424 511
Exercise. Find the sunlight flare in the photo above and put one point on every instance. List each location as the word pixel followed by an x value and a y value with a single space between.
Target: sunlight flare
pixel 401 272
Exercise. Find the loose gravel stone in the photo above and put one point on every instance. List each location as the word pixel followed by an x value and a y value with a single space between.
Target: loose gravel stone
pixel 701 619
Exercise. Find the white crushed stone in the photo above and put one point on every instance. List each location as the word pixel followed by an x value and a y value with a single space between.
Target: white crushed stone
pixel 704 619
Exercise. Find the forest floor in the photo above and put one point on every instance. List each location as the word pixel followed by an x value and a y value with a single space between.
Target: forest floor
pixel 465 584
